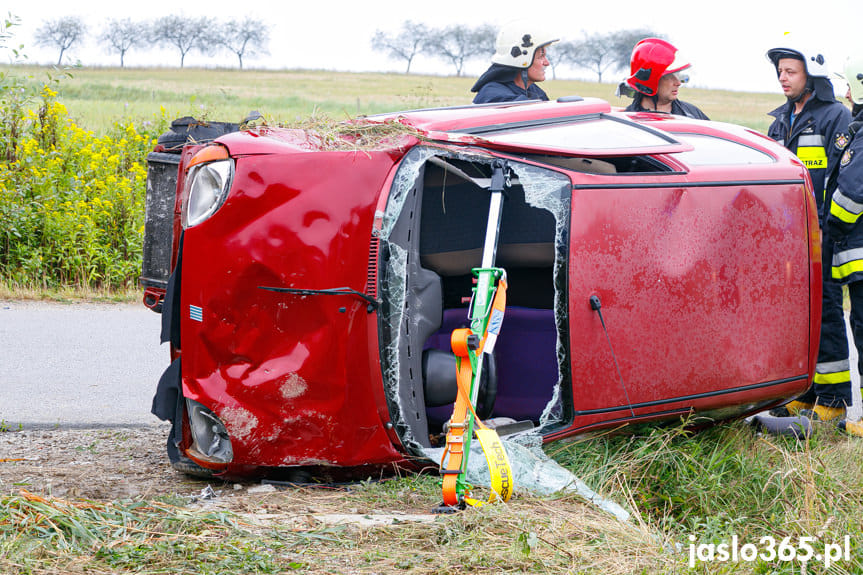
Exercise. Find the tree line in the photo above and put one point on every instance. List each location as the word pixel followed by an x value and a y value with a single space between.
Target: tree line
pixel 455 45
pixel 596 52
pixel 243 38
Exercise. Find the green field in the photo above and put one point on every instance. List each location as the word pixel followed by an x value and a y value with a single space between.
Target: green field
pixel 95 97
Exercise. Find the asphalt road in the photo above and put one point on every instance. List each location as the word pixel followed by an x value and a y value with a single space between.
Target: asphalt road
pixel 79 365
pixel 86 365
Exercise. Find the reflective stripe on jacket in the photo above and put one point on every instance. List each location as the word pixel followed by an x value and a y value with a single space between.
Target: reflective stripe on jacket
pixel 842 221
pixel 818 137
pixel 810 150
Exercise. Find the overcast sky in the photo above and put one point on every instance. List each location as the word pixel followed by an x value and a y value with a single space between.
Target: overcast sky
pixel 726 42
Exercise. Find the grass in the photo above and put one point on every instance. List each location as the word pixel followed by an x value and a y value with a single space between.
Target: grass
pixel 714 485
pixel 68 294
pixel 51 535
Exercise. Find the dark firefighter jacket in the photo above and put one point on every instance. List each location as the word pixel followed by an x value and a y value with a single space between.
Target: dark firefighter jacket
pixel 497 85
pixel 843 221
pixel 818 137
pixel 678 108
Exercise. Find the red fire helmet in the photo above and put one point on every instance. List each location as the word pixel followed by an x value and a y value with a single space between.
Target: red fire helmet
pixel 651 59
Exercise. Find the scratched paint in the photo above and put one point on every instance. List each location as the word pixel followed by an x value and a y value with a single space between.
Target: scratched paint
pixel 240 422
pixel 292 386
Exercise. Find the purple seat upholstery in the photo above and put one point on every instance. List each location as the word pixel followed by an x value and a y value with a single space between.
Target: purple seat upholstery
pixel 526 357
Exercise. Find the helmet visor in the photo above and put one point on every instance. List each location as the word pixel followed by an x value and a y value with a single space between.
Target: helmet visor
pixel 681 77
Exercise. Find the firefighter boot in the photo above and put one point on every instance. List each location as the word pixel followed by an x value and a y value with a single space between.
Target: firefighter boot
pixel 792 408
pixel 851 427
pixel 824 413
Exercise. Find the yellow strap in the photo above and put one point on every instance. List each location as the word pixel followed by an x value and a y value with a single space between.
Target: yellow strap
pixel 499 469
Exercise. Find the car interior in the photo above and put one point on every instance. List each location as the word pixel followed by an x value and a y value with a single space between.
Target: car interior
pixel 440 233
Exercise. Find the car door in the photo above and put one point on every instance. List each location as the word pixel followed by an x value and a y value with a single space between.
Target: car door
pixel 685 295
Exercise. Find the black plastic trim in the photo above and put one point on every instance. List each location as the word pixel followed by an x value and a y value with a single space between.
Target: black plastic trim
pixel 693 396
pixel 648 185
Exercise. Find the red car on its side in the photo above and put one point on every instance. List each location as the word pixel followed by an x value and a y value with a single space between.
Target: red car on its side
pixel 658 266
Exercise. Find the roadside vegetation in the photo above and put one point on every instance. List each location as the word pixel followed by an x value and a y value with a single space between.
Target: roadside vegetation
pixel 71 201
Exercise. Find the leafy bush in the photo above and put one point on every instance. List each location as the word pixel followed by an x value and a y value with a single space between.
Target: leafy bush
pixel 71 201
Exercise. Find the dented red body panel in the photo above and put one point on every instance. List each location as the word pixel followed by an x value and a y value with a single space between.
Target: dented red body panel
pixel 708 274
pixel 275 365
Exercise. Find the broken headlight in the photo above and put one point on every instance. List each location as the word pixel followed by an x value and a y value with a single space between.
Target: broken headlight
pixel 210 441
pixel 207 184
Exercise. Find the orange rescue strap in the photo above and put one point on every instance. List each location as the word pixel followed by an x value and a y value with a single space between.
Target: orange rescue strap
pixel 495 454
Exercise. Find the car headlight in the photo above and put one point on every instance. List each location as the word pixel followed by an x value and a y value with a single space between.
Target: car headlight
pixel 211 444
pixel 207 184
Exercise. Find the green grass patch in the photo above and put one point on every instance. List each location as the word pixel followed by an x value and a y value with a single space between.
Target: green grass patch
pixel 728 481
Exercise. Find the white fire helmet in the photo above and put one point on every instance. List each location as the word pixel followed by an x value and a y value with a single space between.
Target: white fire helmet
pixel 518 41
pixel 790 48
pixel 854 77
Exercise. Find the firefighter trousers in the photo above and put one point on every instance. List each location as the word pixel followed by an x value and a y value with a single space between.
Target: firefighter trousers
pixel 855 294
pixel 832 384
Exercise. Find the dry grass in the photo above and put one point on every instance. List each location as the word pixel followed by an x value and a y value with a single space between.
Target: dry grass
pixel 361 134
pixel 68 294
pixel 286 530
pixel 712 485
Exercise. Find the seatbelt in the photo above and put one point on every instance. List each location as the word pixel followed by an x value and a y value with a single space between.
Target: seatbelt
pixel 488 306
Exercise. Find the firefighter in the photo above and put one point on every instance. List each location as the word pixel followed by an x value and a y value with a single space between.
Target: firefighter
pixel 814 126
pixel 855 107
pixel 843 222
pixel 656 74
pixel 518 65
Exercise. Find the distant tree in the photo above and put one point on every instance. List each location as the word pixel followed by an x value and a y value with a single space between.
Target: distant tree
pixel 460 43
pixel 185 34
pixel 61 33
pixel 402 46
pixel 622 43
pixel 246 38
pixel 565 53
pixel 595 52
pixel 601 53
pixel 485 40
pixel 121 35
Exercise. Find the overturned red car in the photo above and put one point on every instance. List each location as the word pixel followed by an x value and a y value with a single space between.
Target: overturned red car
pixel 657 267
